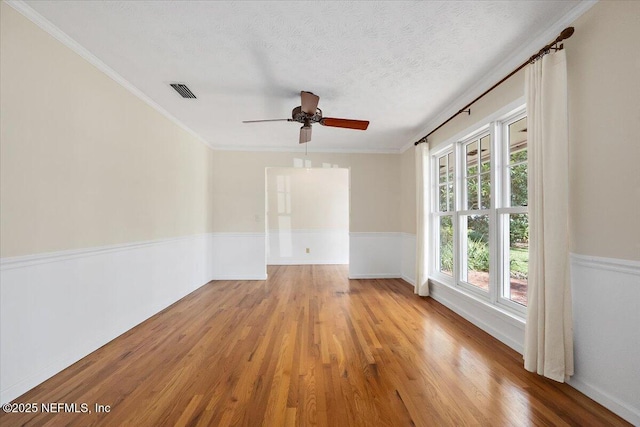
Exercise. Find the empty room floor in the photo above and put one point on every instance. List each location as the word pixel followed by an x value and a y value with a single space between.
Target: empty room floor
pixel 306 347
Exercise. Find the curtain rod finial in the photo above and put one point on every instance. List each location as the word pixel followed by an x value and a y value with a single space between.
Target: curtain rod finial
pixel 420 141
pixel 566 33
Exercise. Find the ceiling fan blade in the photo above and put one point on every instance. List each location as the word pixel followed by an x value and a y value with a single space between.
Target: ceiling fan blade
pixel 345 123
pixel 305 134
pixel 309 102
pixel 267 120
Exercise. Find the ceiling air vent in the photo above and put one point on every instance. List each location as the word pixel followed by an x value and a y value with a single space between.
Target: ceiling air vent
pixel 183 90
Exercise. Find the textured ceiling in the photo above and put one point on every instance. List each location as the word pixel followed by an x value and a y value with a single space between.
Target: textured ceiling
pixel 397 64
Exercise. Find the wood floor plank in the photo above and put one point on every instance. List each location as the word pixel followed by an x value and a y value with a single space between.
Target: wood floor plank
pixel 308 347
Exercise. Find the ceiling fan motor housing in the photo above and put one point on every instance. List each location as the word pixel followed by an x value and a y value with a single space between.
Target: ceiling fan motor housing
pixel 297 115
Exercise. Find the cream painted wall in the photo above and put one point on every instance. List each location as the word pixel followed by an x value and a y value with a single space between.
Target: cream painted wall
pixel 84 162
pixel 238 185
pixel 603 58
pixel 604 127
pixel 408 191
pixel 507 92
pixel 314 198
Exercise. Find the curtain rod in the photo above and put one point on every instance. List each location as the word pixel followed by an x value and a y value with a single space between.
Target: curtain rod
pixel 565 34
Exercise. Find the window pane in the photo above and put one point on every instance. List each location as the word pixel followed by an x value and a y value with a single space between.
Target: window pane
pixel 471 158
pixel 446 245
pixel 442 197
pixel 450 167
pixel 518 178
pixel 518 258
pixel 477 251
pixel 485 154
pixel 485 191
pixel 518 141
pixel 451 201
pixel 442 169
pixel 519 156
pixel 472 193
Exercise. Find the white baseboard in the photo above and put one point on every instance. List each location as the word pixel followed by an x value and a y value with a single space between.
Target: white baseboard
pixel 239 277
pixel 409 280
pixel 56 308
pixel 606 339
pixel 373 276
pixel 326 246
pixel 607 400
pixel 303 261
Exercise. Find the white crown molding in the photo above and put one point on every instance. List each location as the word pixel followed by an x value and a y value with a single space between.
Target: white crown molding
pixel 66 40
pixel 406 147
pixel 301 150
pixel 611 264
pixel 512 61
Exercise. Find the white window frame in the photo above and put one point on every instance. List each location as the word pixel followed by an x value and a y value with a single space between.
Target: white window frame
pixel 497 128
pixel 461 212
pixel 436 214
pixel 504 209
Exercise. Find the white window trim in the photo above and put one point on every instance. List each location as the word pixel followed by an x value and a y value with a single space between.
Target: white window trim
pixel 505 208
pixel 494 125
pixel 436 214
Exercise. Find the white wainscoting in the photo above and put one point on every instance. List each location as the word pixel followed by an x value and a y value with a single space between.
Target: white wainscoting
pixel 382 255
pixel 606 313
pixel 238 256
pixel 374 255
pixel 408 261
pixel 58 307
pixel 326 246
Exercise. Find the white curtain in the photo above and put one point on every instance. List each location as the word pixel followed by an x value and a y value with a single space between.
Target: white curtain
pixel 422 219
pixel 548 347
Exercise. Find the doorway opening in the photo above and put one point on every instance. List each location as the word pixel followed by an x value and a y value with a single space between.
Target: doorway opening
pixel 307 215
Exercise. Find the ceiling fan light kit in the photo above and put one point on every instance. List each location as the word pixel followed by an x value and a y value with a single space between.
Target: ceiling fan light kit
pixel 308 113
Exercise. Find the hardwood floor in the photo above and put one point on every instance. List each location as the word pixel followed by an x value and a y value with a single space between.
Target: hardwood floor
pixel 306 347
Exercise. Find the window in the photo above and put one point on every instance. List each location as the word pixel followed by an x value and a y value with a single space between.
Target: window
pixel 480 217
pixel 513 217
pixel 444 214
pixel 474 215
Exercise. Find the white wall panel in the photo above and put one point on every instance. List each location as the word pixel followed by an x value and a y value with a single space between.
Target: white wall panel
pixel 374 255
pixel 408 257
pixel 58 307
pixel 288 247
pixel 606 313
pixel 238 256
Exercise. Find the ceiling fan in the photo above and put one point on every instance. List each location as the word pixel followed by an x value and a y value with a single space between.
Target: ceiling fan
pixel 308 113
